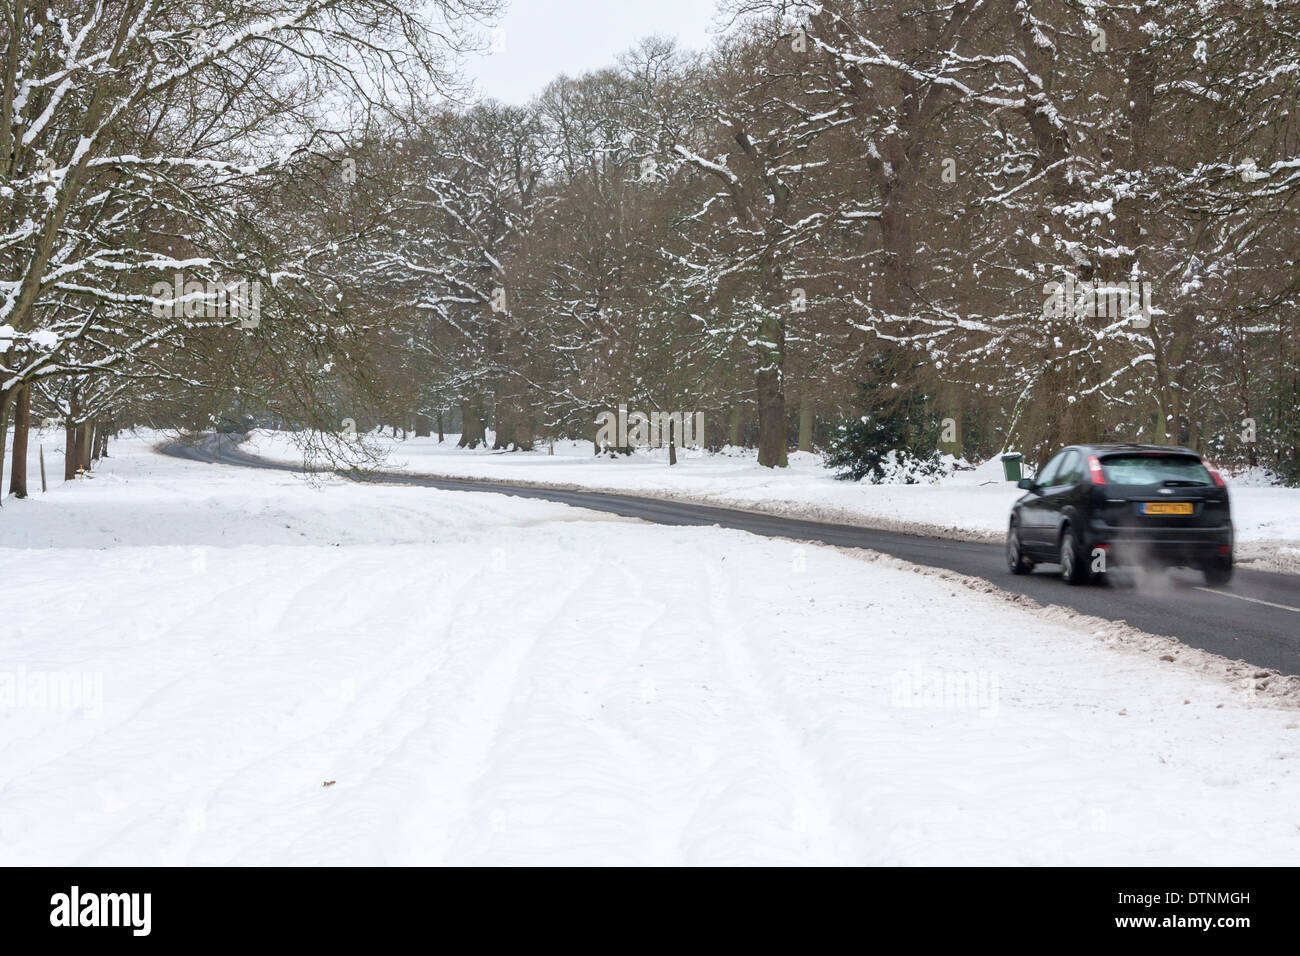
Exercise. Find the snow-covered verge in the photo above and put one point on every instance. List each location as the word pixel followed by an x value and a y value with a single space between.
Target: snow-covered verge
pixel 484 679
pixel 971 505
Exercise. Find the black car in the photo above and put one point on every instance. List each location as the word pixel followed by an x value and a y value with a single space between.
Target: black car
pixel 1097 507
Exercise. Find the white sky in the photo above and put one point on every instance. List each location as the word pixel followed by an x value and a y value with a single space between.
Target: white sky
pixel 544 38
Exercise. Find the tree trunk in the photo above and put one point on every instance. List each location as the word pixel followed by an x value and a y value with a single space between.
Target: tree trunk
pixel 771 389
pixel 897 244
pixel 22 422
pixel 421 426
pixel 5 399
pixel 473 430
pixel 514 425
pixel 70 446
pixel 771 419
pixel 500 421
pixel 957 412
pixel 87 435
pixel 523 430
pixel 439 427
pixel 733 427
pixel 805 421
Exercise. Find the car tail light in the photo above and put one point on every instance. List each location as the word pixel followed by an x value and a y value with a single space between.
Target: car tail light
pixel 1218 478
pixel 1094 469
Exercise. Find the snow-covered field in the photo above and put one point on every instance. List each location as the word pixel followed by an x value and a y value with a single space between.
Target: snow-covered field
pixel 968 504
pixel 484 679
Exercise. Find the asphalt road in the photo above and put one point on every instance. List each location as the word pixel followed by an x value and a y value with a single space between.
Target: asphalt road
pixel 1256 618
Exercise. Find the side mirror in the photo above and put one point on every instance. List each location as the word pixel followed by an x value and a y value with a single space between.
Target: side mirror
pixel 1026 483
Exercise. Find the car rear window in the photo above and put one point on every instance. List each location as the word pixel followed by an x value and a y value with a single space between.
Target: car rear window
pixel 1154 469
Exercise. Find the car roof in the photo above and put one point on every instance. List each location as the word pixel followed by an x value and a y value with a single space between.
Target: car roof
pixel 1110 448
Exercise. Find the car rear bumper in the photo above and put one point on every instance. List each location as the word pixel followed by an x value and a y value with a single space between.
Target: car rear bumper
pixel 1164 545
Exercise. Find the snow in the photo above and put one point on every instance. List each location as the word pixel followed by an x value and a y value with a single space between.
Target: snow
pixel 486 679
pixel 970 505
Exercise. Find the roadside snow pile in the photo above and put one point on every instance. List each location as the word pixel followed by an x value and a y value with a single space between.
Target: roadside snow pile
pixel 484 679
pixel 966 504
pixel 1253 478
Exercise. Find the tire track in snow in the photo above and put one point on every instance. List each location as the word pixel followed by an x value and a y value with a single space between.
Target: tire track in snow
pixel 811 809
pixel 365 717
pixel 397 729
pixel 664 789
pixel 449 803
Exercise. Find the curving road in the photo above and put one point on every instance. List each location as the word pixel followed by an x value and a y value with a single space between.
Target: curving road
pixel 1256 618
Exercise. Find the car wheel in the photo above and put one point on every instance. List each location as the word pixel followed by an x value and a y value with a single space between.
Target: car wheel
pixel 1016 560
pixel 1218 572
pixel 1074 569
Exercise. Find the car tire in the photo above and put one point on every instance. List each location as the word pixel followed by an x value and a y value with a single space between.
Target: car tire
pixel 1217 572
pixel 1074 567
pixel 1017 563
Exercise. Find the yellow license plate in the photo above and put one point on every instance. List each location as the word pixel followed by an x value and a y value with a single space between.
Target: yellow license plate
pixel 1167 508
